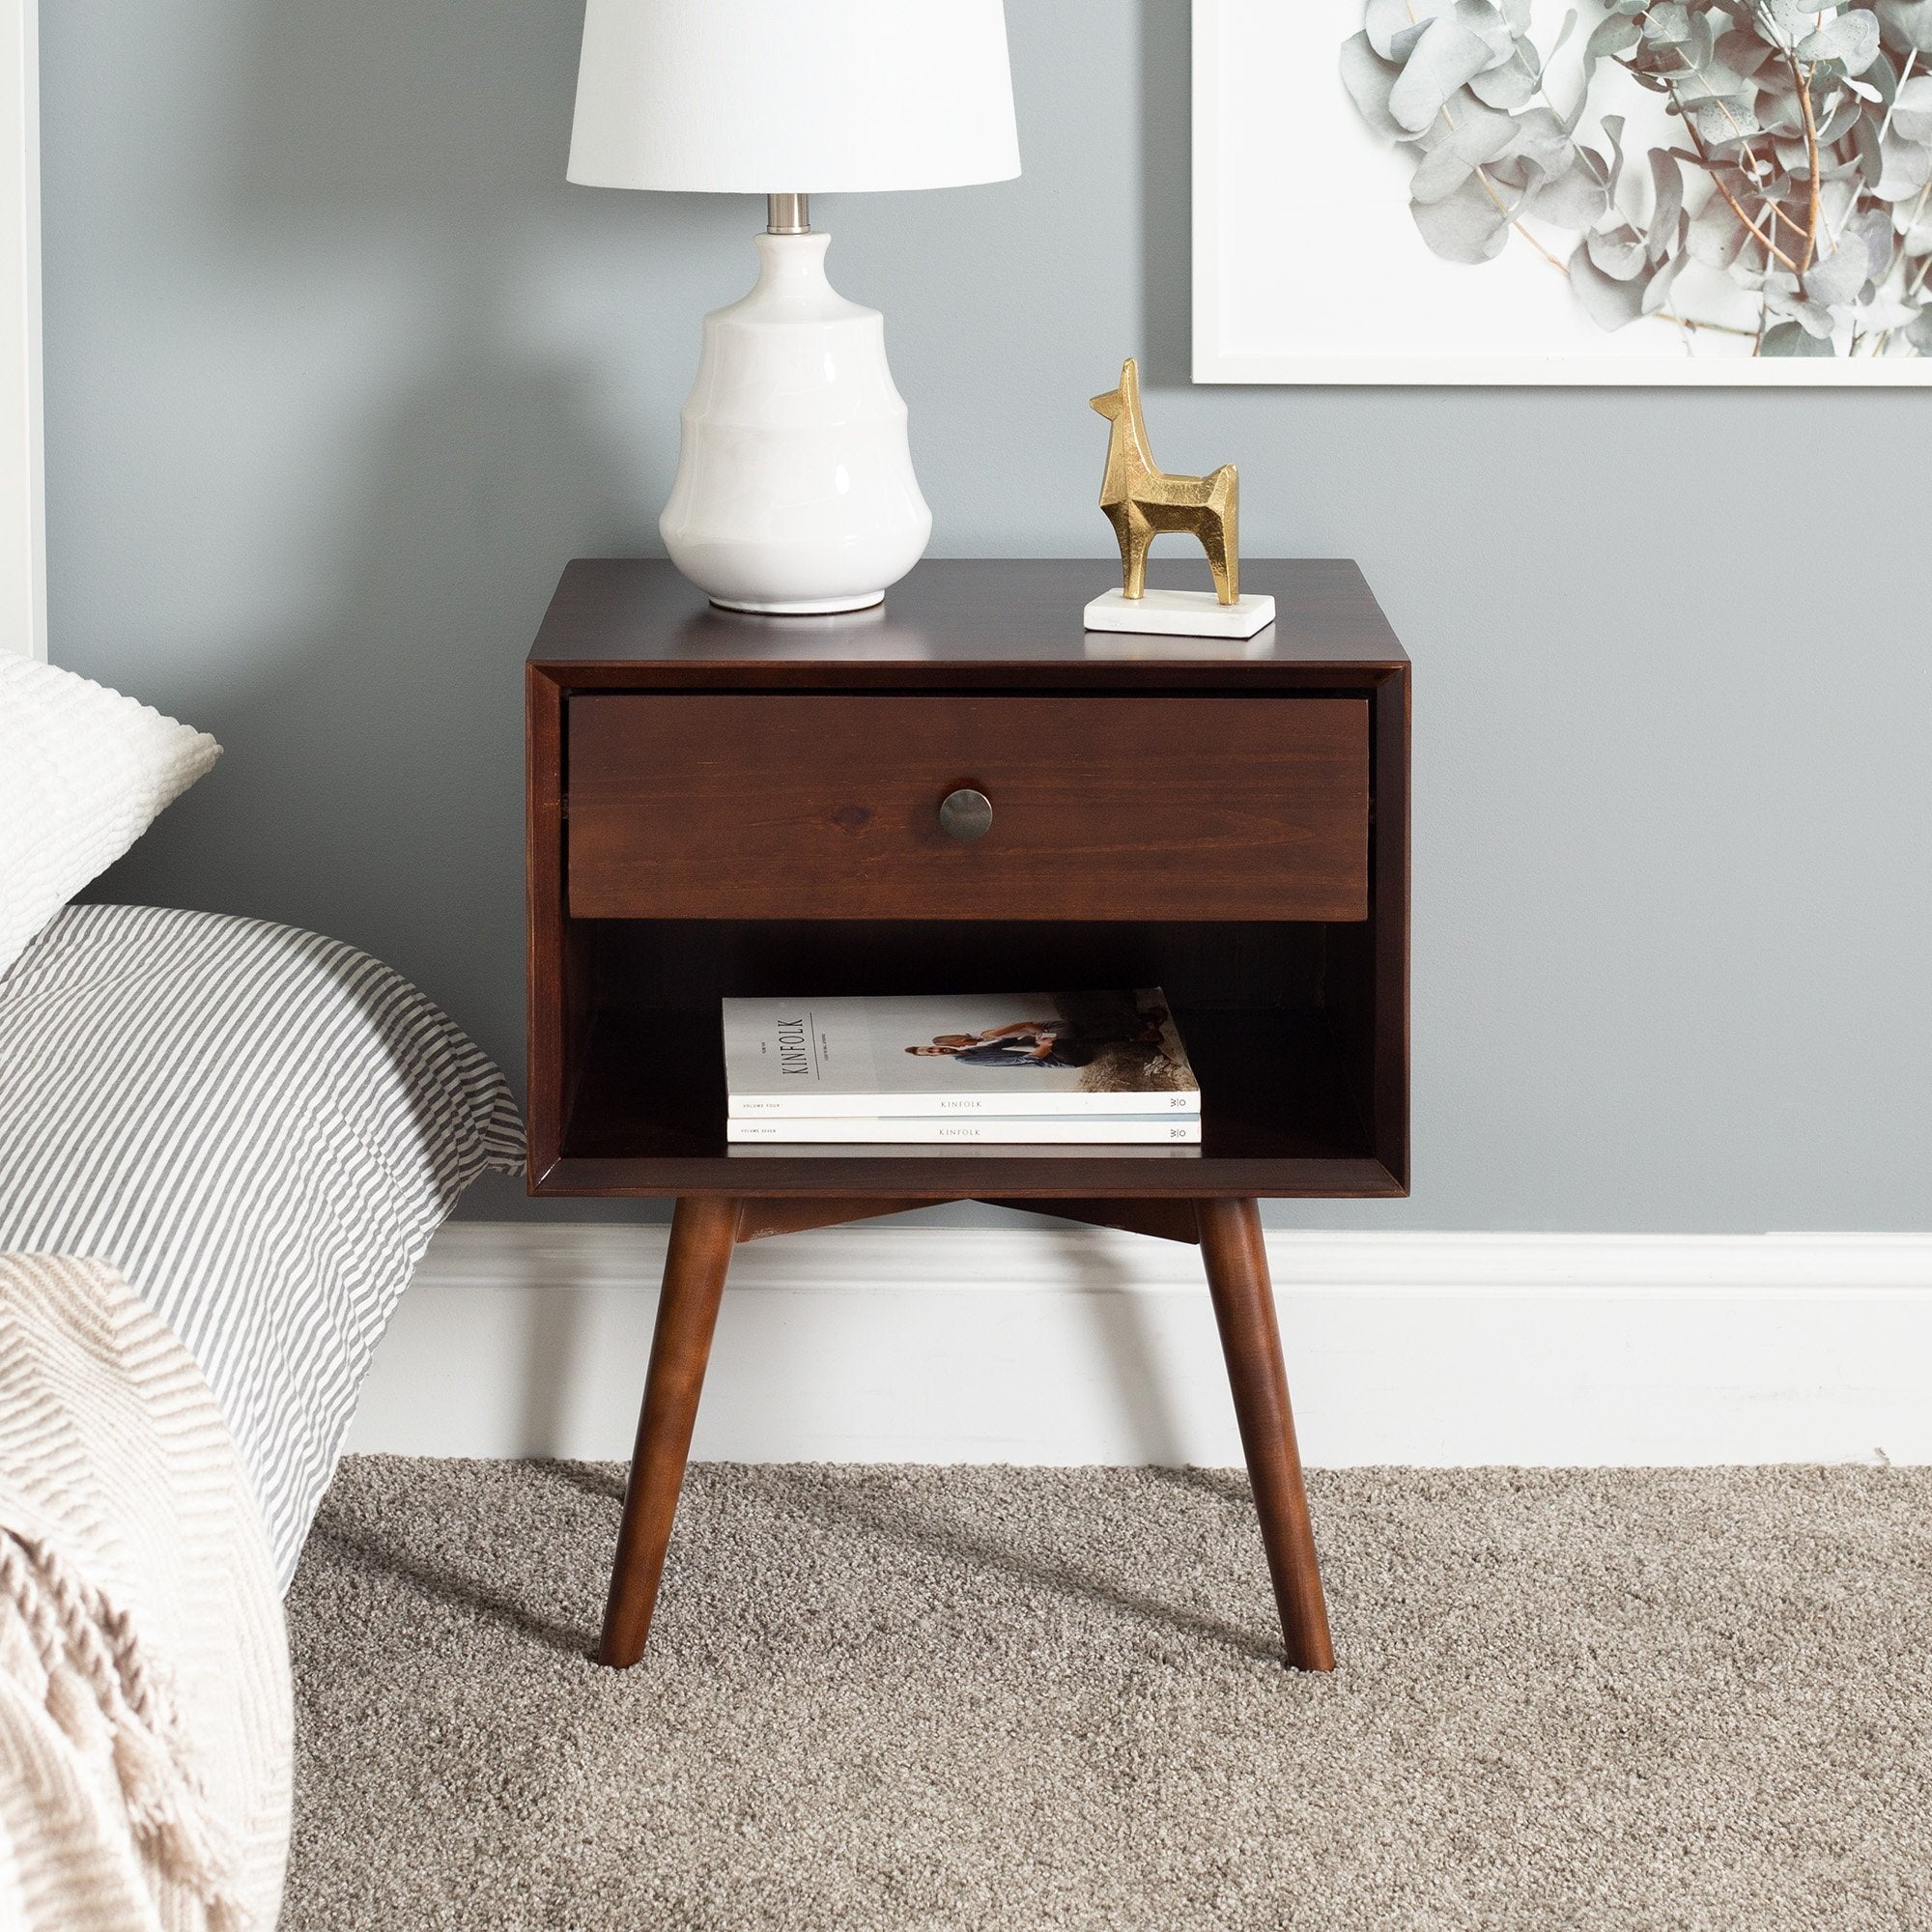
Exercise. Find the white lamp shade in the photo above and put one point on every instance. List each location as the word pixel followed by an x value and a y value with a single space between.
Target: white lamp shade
pixel 780 96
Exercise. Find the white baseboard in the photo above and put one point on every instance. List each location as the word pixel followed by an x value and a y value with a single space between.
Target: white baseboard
pixel 1049 1345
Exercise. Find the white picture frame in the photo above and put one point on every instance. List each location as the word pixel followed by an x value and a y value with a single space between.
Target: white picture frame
pixel 22 496
pixel 1278 151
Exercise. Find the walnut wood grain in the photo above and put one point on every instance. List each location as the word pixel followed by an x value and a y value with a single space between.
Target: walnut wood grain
pixel 1237 1279
pixel 762 1217
pixel 955 623
pixel 725 806
pixel 1108 807
pixel 765 1216
pixel 1304 1024
pixel 702 1233
pixel 1166 1220
pixel 1387 1101
pixel 555 1018
pixel 985 1173
pixel 1281 1107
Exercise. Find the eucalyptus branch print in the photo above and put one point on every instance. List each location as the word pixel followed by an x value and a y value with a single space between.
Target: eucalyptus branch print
pixel 1790 203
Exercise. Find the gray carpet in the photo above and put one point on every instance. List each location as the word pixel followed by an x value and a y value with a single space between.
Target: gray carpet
pixel 915 1699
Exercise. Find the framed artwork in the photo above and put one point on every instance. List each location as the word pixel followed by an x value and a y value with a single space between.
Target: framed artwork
pixel 1563 191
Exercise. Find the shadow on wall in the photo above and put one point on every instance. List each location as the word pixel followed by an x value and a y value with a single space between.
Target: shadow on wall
pixel 372 786
pixel 367 108
pixel 394 729
pixel 1167 224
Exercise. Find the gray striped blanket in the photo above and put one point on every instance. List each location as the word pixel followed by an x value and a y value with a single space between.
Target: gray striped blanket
pixel 261 1129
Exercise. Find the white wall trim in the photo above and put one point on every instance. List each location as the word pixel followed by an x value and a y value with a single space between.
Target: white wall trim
pixel 24 567
pixel 1038 1343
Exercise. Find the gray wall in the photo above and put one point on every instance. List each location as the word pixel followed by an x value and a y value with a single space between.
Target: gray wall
pixel 340 373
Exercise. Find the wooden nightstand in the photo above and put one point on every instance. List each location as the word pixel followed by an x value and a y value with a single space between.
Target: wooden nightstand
pixel 725 805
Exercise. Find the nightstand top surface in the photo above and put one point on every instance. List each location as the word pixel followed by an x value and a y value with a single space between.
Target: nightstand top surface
pixel 981 612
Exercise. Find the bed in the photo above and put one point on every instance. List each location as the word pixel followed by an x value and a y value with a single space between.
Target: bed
pixel 260 1128
pixel 224 1146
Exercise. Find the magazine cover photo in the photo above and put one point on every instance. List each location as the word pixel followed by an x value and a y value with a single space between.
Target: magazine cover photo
pixel 973 1046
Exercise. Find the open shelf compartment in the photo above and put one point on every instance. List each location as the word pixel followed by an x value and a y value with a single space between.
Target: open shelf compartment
pixel 1278 1018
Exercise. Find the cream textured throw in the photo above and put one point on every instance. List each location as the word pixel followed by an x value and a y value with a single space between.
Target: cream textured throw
pixel 145 1721
pixel 83 770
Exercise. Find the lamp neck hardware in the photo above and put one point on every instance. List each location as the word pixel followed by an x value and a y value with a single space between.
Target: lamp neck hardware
pixel 787 215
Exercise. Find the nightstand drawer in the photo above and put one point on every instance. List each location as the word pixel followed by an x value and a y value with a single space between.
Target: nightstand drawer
pixel 1102 808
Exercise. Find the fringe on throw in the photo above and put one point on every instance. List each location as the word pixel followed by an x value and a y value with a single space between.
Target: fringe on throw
pixel 88 1648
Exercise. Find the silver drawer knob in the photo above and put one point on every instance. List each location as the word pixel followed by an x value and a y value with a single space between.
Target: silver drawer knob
pixel 966 815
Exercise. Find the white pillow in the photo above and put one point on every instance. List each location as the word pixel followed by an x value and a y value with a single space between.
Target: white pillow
pixel 83 770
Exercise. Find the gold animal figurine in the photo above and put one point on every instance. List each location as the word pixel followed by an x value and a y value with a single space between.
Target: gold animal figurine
pixel 1141 500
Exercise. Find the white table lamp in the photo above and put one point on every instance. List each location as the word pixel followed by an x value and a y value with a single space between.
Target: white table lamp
pixel 795 491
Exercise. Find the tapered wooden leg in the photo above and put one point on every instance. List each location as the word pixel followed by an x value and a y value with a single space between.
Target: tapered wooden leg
pixel 1237 1279
pixel 702 1231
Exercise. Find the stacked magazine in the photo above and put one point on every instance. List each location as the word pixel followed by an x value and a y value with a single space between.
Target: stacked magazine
pixel 1025 1068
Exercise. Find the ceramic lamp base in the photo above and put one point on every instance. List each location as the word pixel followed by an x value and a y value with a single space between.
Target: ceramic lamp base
pixel 810 607
pixel 1180 613
pixel 795 494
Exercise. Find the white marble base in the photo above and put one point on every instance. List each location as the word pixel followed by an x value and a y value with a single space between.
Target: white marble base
pixel 1180 613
